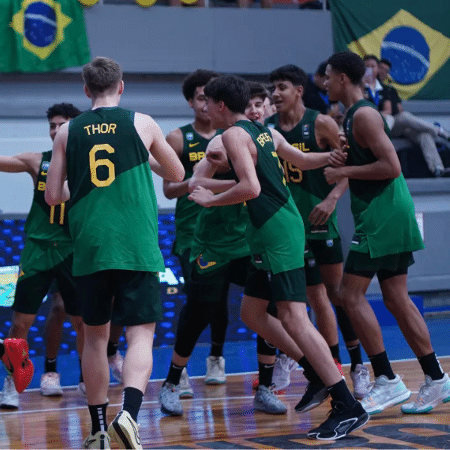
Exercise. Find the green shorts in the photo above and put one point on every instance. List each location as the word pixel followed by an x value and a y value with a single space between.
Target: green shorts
pixel 385 266
pixel 320 253
pixel 137 297
pixel 210 284
pixel 33 286
pixel 284 286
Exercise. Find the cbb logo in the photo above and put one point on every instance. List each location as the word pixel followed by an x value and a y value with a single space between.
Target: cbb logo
pixel 409 53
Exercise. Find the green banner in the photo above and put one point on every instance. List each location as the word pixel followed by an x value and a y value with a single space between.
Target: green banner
pixel 42 35
pixel 414 35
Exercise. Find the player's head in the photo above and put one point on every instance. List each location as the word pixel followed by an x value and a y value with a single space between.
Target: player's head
pixel 288 84
pixel 255 108
pixel 195 80
pixel 294 74
pixel 343 68
pixel 59 114
pixel 193 91
pixel 226 93
pixel 102 76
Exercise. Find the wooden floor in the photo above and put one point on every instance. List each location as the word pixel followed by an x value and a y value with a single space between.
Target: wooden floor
pixel 222 417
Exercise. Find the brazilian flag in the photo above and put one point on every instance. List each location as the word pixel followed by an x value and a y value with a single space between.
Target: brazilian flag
pixel 42 35
pixel 413 35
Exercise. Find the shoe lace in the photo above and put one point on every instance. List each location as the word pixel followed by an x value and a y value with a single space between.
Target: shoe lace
pixel 424 392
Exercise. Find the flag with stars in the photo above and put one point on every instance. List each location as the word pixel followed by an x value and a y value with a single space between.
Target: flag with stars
pixel 42 35
pixel 414 36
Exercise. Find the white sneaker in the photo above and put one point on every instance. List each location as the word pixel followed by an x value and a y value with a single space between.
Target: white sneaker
pixel 185 387
pixel 282 371
pixel 125 431
pixel 215 370
pixel 10 396
pixel 361 381
pixel 50 384
pixel 431 394
pixel 116 365
pixel 385 393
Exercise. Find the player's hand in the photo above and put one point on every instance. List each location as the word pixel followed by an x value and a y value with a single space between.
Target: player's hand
pixel 202 196
pixel 321 212
pixel 217 157
pixel 337 158
pixel 333 174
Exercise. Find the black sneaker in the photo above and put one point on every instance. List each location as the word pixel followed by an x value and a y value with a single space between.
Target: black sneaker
pixel 315 394
pixel 341 421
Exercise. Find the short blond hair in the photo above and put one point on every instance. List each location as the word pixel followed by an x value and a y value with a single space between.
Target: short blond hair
pixel 101 74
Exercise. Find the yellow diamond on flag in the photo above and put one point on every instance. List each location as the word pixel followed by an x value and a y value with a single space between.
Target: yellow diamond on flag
pixel 41 23
pixel 415 50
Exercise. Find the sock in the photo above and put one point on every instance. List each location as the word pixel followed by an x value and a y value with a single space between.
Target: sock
pixel 81 380
pixel 355 356
pixel 174 374
pixel 132 400
pixel 431 367
pixel 265 374
pixel 340 393
pixel 50 365
pixel 98 418
pixel 216 349
pixel 381 365
pixel 112 348
pixel 335 353
pixel 308 371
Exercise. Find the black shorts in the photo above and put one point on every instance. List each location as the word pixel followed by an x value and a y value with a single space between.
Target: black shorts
pixel 320 252
pixel 284 286
pixel 209 285
pixel 137 297
pixel 31 290
pixel 385 267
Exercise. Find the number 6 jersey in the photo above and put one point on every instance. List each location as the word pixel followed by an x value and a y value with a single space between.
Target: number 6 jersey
pixel 113 214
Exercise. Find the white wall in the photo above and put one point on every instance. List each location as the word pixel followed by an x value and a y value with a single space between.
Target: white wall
pixel 31 135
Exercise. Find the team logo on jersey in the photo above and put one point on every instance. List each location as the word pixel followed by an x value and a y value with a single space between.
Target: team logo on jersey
pixel 193 144
pixel 311 262
pixel 203 264
pixel 45 166
pixel 305 130
pixel 330 242
pixel 190 136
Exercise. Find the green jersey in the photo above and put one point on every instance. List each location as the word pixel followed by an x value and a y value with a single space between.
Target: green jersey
pixel 220 232
pixel 187 211
pixel 309 187
pixel 113 215
pixel 276 234
pixel 383 210
pixel 44 222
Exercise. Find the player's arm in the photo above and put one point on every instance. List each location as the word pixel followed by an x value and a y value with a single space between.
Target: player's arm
pixel 175 189
pixel 56 190
pixel 238 145
pixel 327 135
pixel 368 131
pixel 206 169
pixel 303 161
pixel 24 162
pixel 165 160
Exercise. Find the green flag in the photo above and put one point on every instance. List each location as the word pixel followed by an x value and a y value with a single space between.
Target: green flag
pixel 413 35
pixel 42 35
